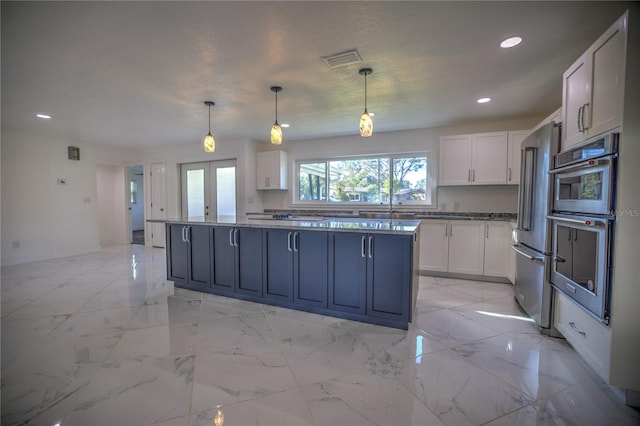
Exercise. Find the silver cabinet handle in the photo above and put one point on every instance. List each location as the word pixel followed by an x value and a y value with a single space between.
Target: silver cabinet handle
pixel 295 241
pixel 446 229
pixel 184 238
pixel 469 176
pixel 584 108
pixel 370 247
pixel 473 175
pixel 362 247
pixel 580 129
pixel 187 233
pixel 231 237
pixel 235 237
pixel 486 230
pixel 289 241
pixel 509 172
pixel 573 325
pixel 451 229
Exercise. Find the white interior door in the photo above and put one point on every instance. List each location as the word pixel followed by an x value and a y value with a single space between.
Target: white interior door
pixel 158 203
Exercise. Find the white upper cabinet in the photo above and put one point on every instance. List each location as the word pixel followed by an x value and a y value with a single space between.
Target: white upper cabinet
pixel 513 156
pixel 477 159
pixel 593 88
pixel 271 170
pixel 454 164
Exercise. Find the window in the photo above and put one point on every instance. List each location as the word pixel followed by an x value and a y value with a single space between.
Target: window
pixel 366 180
pixel 134 192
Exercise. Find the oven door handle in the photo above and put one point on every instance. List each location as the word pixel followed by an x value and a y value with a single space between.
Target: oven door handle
pixel 534 258
pixel 592 222
pixel 587 164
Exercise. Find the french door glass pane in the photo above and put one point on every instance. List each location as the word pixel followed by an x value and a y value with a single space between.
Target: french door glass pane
pixel 195 194
pixel 225 191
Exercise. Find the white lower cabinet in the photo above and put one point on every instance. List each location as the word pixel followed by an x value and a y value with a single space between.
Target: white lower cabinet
pixel 466 246
pixel 589 337
pixel 472 247
pixel 497 248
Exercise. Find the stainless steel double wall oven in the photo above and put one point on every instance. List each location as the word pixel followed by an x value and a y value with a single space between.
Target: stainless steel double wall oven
pixel 582 221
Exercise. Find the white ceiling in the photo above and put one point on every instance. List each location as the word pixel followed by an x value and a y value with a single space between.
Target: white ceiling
pixel 137 73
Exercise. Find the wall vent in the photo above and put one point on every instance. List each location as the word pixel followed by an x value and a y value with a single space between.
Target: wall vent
pixel 342 59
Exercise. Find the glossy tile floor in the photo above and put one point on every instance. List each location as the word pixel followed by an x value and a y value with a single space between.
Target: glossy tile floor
pixel 104 339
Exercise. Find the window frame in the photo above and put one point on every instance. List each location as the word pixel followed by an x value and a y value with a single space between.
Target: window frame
pixel 431 182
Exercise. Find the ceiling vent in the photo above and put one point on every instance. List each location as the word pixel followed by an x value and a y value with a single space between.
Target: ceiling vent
pixel 342 59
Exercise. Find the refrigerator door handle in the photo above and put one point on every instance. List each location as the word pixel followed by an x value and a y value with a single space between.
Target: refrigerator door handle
pixel 525 206
pixel 534 258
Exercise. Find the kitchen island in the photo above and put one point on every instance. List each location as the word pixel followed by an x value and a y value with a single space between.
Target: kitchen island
pixel 359 269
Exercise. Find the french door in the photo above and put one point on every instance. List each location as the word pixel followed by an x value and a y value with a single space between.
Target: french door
pixel 209 190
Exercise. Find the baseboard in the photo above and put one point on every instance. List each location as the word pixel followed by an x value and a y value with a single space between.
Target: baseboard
pixel 465 276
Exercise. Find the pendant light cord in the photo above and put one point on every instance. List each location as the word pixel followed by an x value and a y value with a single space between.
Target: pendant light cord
pixel 276 106
pixel 365 92
pixel 209 118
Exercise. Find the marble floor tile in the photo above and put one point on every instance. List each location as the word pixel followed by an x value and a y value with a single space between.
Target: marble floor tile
pixel 366 399
pixel 534 364
pixel 458 392
pixel 286 408
pixel 105 339
pixel 237 374
pixel 133 393
pixel 452 329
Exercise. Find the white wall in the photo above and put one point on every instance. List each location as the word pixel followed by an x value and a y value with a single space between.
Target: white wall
pixel 42 218
pixel 110 194
pixel 473 199
pixel 243 151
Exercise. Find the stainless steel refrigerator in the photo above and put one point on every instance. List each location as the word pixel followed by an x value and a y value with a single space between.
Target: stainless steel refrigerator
pixel 533 235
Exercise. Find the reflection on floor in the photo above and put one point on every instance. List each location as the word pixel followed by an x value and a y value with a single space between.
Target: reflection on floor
pixel 138 237
pixel 104 339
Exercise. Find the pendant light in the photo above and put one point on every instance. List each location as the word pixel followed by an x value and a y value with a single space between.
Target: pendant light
pixel 209 143
pixel 366 123
pixel 276 130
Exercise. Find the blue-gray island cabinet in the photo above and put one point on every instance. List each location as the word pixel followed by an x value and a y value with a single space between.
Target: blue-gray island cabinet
pixel 361 269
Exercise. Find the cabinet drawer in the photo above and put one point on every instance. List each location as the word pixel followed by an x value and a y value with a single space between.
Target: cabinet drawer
pixel 590 338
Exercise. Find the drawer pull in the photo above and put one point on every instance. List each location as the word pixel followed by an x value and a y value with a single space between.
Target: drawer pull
pixel 580 332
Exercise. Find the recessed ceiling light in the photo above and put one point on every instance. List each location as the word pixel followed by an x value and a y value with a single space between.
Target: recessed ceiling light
pixel 45 116
pixel 483 100
pixel 511 42
pixel 285 125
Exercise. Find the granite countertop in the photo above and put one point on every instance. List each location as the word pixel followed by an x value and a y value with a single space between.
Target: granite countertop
pixel 506 217
pixel 317 223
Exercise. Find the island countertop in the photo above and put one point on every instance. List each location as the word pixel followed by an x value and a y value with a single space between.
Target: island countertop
pixel 383 226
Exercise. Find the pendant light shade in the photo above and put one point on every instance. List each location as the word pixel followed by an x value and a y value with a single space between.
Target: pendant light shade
pixel 276 130
pixel 366 123
pixel 209 142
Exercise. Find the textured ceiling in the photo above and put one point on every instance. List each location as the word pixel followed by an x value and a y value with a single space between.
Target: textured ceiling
pixel 137 73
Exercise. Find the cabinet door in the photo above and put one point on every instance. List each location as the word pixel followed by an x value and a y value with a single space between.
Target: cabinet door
pixel 513 154
pixel 199 255
pixel 434 245
pixel 489 159
pixel 575 94
pixel 348 272
pixel 249 258
pixel 454 162
pixel 177 254
pixel 224 264
pixel 271 170
pixel 607 57
pixel 497 248
pixel 466 247
pixel 310 268
pixel 389 273
pixel 278 283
